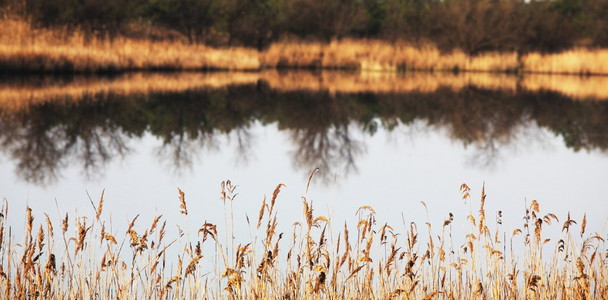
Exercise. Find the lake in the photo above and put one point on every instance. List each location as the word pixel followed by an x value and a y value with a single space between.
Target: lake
pixel 390 141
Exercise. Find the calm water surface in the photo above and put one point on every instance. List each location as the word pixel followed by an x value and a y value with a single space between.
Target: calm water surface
pixel 65 139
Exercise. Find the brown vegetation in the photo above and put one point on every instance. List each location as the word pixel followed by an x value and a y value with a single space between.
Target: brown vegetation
pixel 473 26
pixel 373 55
pixel 25 49
pixel 584 62
pixel 78 257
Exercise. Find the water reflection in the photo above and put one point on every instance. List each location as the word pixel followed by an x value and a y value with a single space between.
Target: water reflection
pixel 54 123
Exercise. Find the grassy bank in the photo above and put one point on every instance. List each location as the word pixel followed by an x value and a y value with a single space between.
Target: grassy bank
pixel 26 49
pixel 91 257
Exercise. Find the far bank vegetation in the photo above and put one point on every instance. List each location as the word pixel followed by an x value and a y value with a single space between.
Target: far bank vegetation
pixel 562 36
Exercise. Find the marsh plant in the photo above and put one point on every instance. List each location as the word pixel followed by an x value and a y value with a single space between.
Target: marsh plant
pixel 80 257
pixel 27 49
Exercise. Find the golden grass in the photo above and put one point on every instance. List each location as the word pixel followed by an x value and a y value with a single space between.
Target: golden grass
pixel 374 55
pixel 576 61
pixel 24 48
pixel 83 258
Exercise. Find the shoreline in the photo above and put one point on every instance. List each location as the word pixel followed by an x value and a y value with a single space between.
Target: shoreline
pixel 47 64
pixel 25 50
pixel 18 93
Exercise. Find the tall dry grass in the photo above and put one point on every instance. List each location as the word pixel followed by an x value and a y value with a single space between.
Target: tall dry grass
pixel 24 48
pixel 575 61
pixel 374 55
pixel 82 258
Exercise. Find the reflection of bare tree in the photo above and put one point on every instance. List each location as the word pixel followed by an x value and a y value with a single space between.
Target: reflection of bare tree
pixel 329 149
pixel 40 154
pixel 36 160
pixel 487 153
pixel 98 147
pixel 179 151
pixel 41 149
pixel 483 121
pixel 244 141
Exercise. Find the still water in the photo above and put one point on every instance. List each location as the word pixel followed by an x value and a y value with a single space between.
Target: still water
pixel 387 141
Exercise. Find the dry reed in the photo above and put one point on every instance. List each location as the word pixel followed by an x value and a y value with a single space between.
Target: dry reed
pixel 374 55
pixel 27 49
pixel 575 61
pixel 370 260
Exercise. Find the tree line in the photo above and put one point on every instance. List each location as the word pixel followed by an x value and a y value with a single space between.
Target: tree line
pixel 471 25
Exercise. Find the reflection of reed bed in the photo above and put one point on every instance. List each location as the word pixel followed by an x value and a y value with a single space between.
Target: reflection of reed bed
pixel 21 96
pixel 76 257
pixel 375 82
pixel 577 87
pixel 17 96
